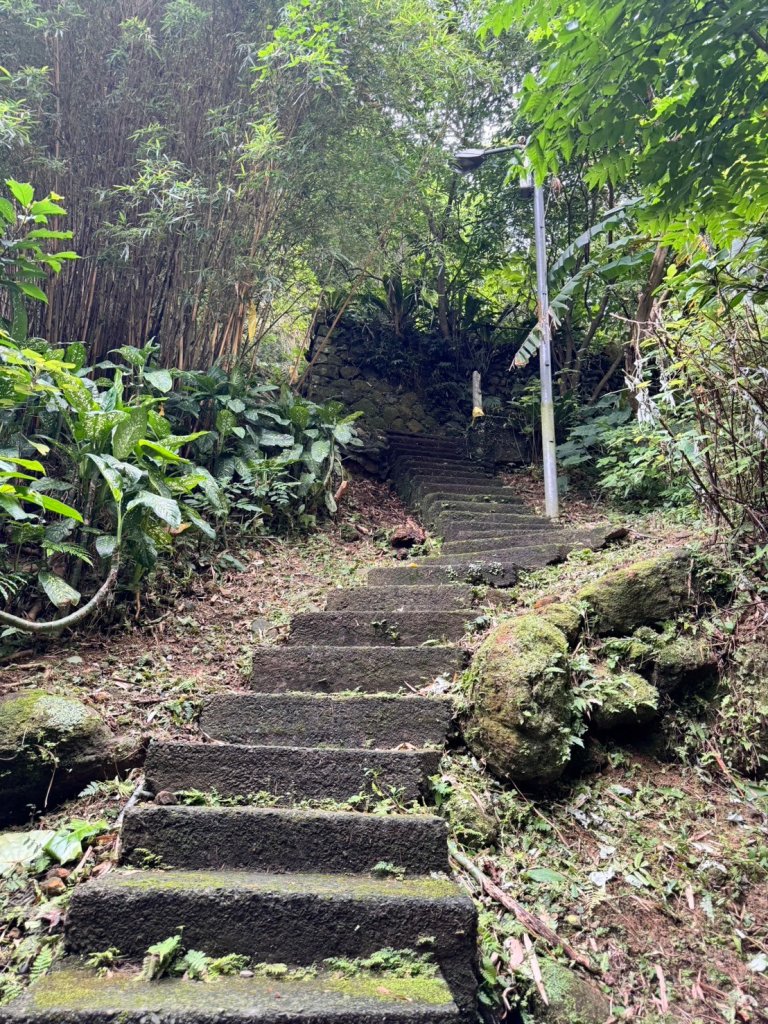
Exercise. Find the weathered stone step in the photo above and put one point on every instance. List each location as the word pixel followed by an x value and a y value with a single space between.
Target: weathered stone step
pixel 374 629
pixel 284 839
pixel 490 571
pixel 473 491
pixel 509 541
pixel 418 465
pixel 474 506
pixel 293 919
pixel 73 994
pixel 438 499
pixel 400 438
pixel 488 526
pixel 392 599
pixel 284 668
pixel 533 556
pixel 570 540
pixel 308 720
pixel 288 773
pixel 409 487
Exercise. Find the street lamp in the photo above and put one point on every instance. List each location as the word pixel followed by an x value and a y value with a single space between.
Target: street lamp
pixel 467 161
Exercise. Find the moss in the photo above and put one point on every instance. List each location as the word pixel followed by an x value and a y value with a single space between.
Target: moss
pixel 430 991
pixel 653 590
pixel 627 700
pixel 475 826
pixel 521 702
pixel 566 617
pixel 685 660
pixel 572 1000
pixel 319 885
pixel 125 995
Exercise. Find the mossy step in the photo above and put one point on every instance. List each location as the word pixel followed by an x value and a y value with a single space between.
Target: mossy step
pixel 299 918
pixel 474 506
pixel 289 773
pixel 491 526
pixel 394 599
pixel 374 629
pixel 532 556
pixel 491 571
pixel 284 839
pixel 286 668
pixel 74 994
pixel 429 464
pixel 500 500
pixel 571 539
pixel 481 490
pixel 309 720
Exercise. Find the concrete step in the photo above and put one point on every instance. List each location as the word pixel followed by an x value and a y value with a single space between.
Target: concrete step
pixel 425 465
pixel 288 773
pixel 308 720
pixel 501 500
pixel 438 510
pixel 488 526
pixel 473 491
pixel 508 541
pixel 292 919
pixel 286 668
pixel 284 839
pixel 533 556
pixel 393 599
pixel 74 994
pixel 374 629
pixel 484 570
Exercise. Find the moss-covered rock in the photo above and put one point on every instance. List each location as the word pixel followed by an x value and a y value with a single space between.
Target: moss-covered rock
pixel 683 661
pixel 653 590
pixel 49 745
pixel 522 713
pixel 572 999
pixel 566 617
pixel 474 824
pixel 626 700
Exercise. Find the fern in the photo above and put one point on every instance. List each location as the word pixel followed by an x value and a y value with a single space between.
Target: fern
pixel 42 963
pixel 11 584
pixel 160 958
pixel 193 965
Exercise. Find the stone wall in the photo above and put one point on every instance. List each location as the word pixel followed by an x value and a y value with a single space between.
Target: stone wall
pixel 402 385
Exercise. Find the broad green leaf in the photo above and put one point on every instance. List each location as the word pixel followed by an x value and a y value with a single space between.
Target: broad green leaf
pixel 320 450
pixel 32 291
pixel 76 355
pixel 165 509
pixel 271 439
pixel 200 523
pixel 545 875
pixel 106 545
pixel 51 505
pixel 113 478
pixel 161 380
pixel 20 849
pixel 7 212
pixel 129 432
pixel 153 448
pixel 23 193
pixel 58 590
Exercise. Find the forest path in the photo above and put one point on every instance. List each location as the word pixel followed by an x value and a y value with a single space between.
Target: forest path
pixel 278 863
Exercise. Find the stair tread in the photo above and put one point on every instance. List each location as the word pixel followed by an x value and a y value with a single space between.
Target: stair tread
pixel 71 992
pixel 284 839
pixel 343 887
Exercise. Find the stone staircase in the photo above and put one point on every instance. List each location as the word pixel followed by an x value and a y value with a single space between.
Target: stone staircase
pixel 345 707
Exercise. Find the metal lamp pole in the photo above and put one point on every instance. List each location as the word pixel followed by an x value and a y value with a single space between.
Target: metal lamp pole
pixel 468 160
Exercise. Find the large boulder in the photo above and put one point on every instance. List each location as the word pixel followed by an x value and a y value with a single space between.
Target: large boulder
pixel 49 747
pixel 653 590
pixel 521 705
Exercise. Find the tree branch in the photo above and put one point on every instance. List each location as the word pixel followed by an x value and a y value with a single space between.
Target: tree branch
pixel 48 628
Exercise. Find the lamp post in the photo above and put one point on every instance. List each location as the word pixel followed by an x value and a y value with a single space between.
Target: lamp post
pixel 467 161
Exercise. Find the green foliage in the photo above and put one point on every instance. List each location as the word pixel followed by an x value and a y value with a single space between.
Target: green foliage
pixel 671 91
pixel 138 455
